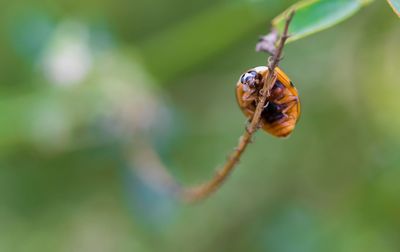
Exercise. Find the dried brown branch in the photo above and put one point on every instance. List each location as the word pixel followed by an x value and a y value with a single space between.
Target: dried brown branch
pixel 151 169
pixel 204 190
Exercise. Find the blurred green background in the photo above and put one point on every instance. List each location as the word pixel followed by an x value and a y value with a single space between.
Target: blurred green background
pixel 86 86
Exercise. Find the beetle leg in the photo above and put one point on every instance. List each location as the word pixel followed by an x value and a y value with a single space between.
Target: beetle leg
pixel 281 120
pixel 289 106
pixel 289 102
pixel 248 99
pixel 279 97
pixel 287 99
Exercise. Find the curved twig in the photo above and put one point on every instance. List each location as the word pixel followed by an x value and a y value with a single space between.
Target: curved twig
pixel 196 193
pixel 204 190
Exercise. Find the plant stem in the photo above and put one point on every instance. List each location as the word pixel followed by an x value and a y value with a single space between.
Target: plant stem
pixel 202 191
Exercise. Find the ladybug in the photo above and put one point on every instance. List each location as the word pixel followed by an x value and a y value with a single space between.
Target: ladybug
pixel 282 109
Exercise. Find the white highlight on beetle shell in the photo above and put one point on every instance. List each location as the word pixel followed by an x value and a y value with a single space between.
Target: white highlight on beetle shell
pixel 260 69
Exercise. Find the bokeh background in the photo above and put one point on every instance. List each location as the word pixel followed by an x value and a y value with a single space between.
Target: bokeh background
pixel 89 88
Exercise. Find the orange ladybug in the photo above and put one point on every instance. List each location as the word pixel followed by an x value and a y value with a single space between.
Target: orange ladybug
pixel 282 109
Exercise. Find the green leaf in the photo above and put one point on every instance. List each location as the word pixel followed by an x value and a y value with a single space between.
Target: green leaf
pixel 316 15
pixel 395 4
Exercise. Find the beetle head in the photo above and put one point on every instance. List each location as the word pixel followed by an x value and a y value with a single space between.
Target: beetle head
pixel 249 80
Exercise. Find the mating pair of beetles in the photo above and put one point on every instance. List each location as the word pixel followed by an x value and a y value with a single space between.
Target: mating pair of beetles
pixel 282 109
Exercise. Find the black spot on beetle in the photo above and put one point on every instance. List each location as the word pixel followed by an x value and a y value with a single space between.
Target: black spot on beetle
pixel 273 112
pixel 278 84
pixel 291 84
pixel 254 73
pixel 277 91
pixel 242 78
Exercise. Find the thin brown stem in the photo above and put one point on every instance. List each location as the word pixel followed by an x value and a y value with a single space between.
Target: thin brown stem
pixel 204 190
